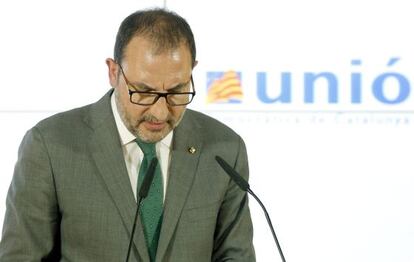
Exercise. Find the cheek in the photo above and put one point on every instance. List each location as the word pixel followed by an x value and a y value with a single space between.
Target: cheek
pixel 177 112
pixel 131 111
pixel 134 112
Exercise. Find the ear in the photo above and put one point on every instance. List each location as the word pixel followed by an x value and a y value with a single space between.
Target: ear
pixel 195 63
pixel 112 72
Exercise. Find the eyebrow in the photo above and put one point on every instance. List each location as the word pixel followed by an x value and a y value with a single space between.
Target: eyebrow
pixel 144 87
pixel 141 87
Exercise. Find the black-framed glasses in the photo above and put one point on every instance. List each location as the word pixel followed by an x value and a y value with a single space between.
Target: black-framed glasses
pixel 147 98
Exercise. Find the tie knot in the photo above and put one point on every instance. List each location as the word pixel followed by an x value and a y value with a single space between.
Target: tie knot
pixel 147 148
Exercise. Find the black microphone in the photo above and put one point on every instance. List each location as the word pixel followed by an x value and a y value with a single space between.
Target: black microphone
pixel 242 183
pixel 143 193
pixel 146 184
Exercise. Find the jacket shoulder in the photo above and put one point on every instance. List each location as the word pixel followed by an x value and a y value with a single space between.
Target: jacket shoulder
pixel 64 121
pixel 211 127
pixel 79 119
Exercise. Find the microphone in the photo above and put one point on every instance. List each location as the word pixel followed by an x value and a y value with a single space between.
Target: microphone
pixel 143 193
pixel 244 185
pixel 146 183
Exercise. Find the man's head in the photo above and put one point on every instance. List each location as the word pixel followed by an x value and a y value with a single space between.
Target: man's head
pixel 154 52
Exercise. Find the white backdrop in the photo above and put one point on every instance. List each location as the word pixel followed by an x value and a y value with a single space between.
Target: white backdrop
pixel 336 177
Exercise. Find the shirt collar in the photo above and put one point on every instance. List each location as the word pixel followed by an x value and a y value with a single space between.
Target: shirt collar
pixel 125 135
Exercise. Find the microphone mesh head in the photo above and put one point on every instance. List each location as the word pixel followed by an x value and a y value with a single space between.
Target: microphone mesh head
pixel 238 179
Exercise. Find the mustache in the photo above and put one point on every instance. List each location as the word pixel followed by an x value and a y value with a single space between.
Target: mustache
pixel 151 118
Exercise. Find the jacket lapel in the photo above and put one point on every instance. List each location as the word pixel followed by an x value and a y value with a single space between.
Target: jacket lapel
pixel 182 171
pixel 106 150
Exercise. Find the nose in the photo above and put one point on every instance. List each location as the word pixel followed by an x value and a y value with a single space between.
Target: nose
pixel 160 109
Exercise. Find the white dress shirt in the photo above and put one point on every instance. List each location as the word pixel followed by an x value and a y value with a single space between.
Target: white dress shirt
pixel 133 155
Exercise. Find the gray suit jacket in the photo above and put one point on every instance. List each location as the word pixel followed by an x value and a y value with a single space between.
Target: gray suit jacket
pixel 71 199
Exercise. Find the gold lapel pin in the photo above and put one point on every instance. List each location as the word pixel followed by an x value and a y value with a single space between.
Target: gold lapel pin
pixel 191 150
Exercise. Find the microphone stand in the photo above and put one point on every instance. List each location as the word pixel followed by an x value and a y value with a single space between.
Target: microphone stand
pixel 143 193
pixel 244 185
pixel 269 222
pixel 133 228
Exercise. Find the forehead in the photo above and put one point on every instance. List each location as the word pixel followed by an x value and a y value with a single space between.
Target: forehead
pixel 144 63
pixel 145 49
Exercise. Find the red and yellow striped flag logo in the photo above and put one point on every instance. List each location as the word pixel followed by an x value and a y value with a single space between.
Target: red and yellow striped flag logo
pixel 226 89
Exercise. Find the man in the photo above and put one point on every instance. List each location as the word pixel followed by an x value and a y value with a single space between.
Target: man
pixel 74 190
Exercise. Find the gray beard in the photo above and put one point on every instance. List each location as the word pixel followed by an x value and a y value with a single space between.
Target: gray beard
pixel 134 129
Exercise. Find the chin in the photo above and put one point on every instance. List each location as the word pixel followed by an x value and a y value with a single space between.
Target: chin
pixel 152 136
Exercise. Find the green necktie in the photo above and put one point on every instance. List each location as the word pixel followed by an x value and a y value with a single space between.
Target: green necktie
pixel 152 206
